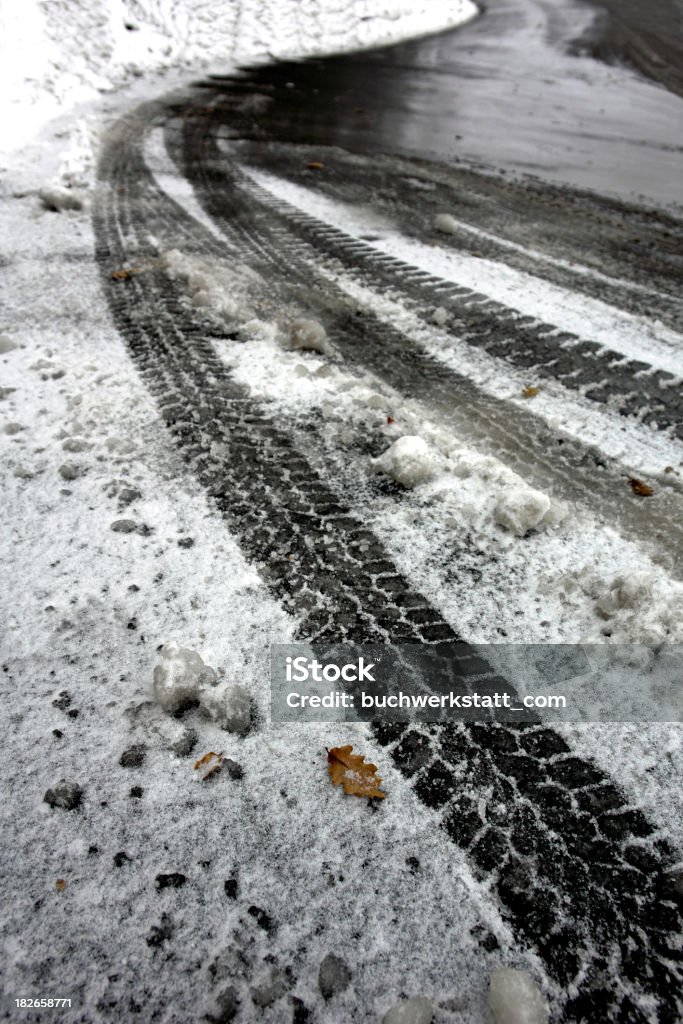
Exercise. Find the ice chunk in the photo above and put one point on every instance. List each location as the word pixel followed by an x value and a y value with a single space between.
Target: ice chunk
pixel 227 704
pixel 179 676
pixel 310 336
pixel 6 344
pixel 514 998
pixel 445 223
pixel 520 509
pixel 417 1010
pixel 56 198
pixel 410 461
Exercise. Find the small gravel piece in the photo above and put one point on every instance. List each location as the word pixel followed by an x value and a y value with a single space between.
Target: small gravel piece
pixel 71 471
pixel 124 526
pixel 66 795
pixel 173 880
pixel 133 757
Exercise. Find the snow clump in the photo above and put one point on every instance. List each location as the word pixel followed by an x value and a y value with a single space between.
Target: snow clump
pixel 179 676
pixel 57 199
pixel 183 677
pixel 211 286
pixel 445 223
pixel 410 461
pixel 6 344
pixel 636 608
pixel 229 706
pixel 521 509
pixel 514 998
pixel 417 1010
pixel 310 336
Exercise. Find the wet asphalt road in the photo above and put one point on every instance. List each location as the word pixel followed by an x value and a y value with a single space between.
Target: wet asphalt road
pixel 515 90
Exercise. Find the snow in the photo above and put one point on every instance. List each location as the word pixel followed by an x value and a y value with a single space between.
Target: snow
pixel 102 574
pixel 228 705
pixel 514 998
pixel 417 1010
pixel 310 336
pixel 179 676
pixel 216 288
pixel 59 54
pixel 521 510
pixel 409 461
pixel 57 199
pixel 617 437
pixel 446 224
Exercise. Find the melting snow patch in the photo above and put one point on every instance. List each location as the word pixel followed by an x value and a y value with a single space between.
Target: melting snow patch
pixel 514 998
pixel 410 461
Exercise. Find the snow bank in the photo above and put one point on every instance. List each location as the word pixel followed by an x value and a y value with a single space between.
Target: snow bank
pixel 514 998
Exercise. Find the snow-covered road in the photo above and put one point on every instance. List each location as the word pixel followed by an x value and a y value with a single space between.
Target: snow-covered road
pixel 203 431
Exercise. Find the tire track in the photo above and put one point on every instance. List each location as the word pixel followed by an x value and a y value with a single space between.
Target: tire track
pixel 582 877
pixel 551 460
pixel 630 386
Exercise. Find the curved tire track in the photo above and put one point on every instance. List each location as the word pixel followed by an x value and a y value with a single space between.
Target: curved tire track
pixel 581 876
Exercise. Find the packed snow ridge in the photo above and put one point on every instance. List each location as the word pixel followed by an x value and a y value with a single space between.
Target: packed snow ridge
pixel 410 461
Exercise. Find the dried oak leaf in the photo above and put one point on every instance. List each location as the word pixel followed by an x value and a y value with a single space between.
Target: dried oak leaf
pixel 530 392
pixel 209 765
pixel 638 487
pixel 351 771
pixel 315 165
pixel 124 273
pixel 60 884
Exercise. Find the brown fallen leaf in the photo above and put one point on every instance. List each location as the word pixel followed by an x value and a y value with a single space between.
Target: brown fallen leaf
pixel 530 392
pixel 390 420
pixel 209 765
pixel 315 165
pixel 124 273
pixel 351 771
pixel 639 488
pixel 60 884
